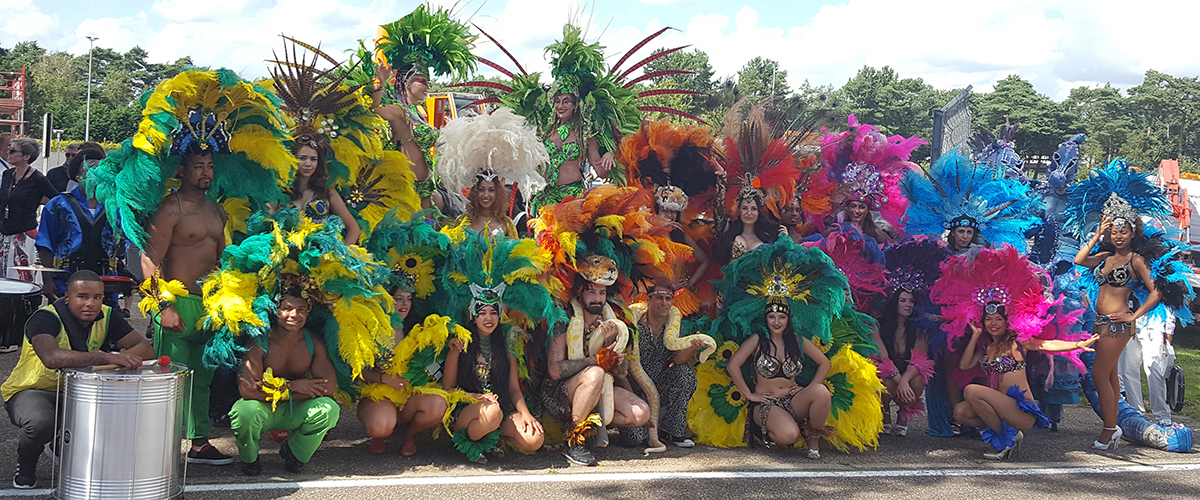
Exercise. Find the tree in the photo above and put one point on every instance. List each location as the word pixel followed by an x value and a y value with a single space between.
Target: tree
pixel 701 80
pixel 1102 112
pixel 1167 110
pixel 897 106
pixel 1044 124
pixel 761 78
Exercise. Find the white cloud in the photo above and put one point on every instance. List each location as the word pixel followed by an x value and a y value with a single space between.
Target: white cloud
pixel 25 21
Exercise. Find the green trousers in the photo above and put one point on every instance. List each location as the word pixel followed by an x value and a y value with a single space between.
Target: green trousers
pixel 187 347
pixel 307 422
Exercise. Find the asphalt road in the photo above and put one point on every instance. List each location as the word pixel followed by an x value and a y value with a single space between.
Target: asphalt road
pixel 1050 464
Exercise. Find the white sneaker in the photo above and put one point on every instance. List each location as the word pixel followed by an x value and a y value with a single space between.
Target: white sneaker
pixel 9 348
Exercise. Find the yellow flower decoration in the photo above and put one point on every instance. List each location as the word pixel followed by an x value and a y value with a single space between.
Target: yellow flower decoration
pixel 167 292
pixel 783 281
pixel 416 267
pixel 276 388
pixel 735 398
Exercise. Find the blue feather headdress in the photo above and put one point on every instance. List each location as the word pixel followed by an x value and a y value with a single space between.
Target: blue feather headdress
pixel 1089 198
pixel 957 192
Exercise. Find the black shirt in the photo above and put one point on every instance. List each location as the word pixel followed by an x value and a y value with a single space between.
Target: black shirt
pixel 43 322
pixel 58 177
pixel 20 203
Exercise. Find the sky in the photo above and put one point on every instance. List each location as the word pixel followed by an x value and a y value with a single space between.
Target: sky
pixel 1056 44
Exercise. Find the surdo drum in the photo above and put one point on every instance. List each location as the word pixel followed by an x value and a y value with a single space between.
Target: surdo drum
pixel 122 433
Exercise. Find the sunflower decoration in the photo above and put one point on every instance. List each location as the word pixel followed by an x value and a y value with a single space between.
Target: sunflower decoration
pixel 336 119
pixel 351 309
pixel 414 253
pixel 717 410
pixel 199 111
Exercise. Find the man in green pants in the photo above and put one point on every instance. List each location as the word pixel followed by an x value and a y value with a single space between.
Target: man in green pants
pixel 286 387
pixel 187 236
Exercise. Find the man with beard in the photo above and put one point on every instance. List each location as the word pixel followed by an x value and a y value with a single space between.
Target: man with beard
pixel 187 236
pixel 587 368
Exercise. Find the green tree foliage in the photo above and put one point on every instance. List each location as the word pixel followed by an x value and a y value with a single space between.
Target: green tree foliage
pixel 1044 123
pixel 761 78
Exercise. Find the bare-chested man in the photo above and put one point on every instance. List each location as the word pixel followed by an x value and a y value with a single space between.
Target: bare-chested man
pixel 307 410
pixel 577 381
pixel 187 236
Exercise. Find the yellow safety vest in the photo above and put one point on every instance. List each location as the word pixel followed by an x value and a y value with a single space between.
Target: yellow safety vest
pixel 30 373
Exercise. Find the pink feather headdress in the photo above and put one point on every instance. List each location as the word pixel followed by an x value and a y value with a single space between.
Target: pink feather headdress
pixel 970 281
pixel 868 167
pixel 860 259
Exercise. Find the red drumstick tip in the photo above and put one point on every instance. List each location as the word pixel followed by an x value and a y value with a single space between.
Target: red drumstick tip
pixel 164 361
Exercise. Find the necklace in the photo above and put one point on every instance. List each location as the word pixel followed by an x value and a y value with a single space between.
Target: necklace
pixel 564 131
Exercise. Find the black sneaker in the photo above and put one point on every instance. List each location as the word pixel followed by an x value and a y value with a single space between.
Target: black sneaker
pixel 252 469
pixel 25 478
pixel 290 462
pixel 208 455
pixel 580 455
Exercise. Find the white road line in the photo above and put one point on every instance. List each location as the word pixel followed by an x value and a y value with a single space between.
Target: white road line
pixel 653 476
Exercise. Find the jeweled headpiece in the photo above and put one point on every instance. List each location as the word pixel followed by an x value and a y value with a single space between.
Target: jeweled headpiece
pixel 201 133
pixel 485 297
pixel 866 185
pixel 1118 211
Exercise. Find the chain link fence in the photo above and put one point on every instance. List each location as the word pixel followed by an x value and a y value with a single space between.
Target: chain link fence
pixel 951 125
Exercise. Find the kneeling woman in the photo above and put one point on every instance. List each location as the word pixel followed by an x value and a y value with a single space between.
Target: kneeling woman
pixel 488 372
pixel 1004 407
pixel 779 405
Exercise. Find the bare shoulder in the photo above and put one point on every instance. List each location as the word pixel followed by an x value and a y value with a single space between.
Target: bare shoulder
pixel 168 210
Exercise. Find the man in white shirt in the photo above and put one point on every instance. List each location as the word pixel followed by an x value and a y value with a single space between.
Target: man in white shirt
pixel 1149 350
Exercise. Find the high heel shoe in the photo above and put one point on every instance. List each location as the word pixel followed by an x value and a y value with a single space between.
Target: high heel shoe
pixel 1112 441
pixel 1008 452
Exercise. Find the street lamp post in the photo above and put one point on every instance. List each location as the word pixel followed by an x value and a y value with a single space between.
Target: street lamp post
pixel 87 117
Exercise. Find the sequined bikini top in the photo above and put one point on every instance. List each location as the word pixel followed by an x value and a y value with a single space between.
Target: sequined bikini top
pixel 561 154
pixel 1000 364
pixel 1118 277
pixel 768 366
pixel 739 249
pixel 317 210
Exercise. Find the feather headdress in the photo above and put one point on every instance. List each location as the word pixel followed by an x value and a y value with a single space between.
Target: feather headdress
pixel 502 272
pixel 786 276
pixel 914 264
pixel 868 167
pixel 413 250
pixel 662 154
pixel 197 110
pixel 336 120
pixel 998 153
pixel 354 313
pixel 972 281
pixel 1119 191
pixel 490 145
pixel 614 223
pixel 860 260
pixel 757 164
pixel 957 192
pixel 426 40
pixel 607 102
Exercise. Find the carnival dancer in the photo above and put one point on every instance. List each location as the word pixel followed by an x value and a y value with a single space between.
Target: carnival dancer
pixel 480 154
pixel 68 333
pixel 495 282
pixel 396 393
pixel 787 304
pixel 74 233
pixel 180 140
pixel 868 168
pixel 1000 292
pixel 342 168
pixel 1133 263
pixel 908 363
pixel 406 50
pixel 583 114
pixel 667 359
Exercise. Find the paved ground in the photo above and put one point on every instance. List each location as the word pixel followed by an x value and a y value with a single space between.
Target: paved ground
pixel 1050 464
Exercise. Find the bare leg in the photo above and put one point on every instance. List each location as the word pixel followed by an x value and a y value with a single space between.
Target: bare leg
pixel 529 440
pixel 378 417
pixel 479 419
pixel 1105 376
pixel 630 410
pixel 889 385
pixel 584 391
pixel 813 402
pixel 992 406
pixel 964 414
pixel 422 412
pixel 917 384
pixel 780 426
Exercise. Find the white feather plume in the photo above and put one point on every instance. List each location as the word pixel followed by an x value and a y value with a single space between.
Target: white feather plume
pixel 500 141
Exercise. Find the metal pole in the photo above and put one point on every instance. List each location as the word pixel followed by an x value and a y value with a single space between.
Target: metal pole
pixel 87 117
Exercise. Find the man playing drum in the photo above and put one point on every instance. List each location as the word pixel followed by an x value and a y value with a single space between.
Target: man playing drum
pixel 286 385
pixel 65 334
pixel 187 235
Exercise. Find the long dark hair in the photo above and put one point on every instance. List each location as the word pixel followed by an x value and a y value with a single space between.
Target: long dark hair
pixel 765 228
pixel 499 208
pixel 1009 334
pixel 317 182
pixel 468 381
pixel 791 343
pixel 890 321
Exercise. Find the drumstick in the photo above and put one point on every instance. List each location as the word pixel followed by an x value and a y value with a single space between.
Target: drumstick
pixel 163 361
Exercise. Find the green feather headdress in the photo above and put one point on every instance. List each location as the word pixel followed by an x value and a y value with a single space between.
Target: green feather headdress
pixel 427 40
pixel 133 180
pixel 481 267
pixel 803 280
pixel 415 253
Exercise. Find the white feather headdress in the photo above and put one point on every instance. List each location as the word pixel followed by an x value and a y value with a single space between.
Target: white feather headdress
pixel 499 143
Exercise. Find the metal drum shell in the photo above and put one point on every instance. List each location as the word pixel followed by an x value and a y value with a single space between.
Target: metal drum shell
pixel 122 433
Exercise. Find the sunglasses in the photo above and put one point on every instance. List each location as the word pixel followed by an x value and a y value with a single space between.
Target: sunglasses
pixel 71 155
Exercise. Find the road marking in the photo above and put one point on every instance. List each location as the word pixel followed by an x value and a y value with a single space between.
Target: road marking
pixel 653 476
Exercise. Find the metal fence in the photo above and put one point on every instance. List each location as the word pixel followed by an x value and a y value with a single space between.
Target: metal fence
pixel 951 125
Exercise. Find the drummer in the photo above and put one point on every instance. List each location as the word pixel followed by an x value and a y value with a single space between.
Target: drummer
pixel 65 334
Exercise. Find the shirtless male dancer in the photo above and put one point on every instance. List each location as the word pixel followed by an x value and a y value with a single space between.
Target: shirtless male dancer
pixel 187 236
